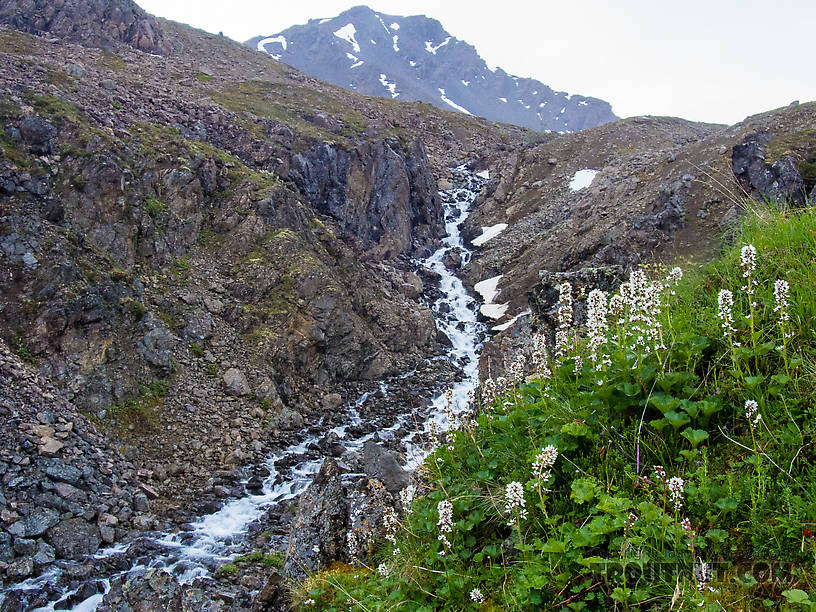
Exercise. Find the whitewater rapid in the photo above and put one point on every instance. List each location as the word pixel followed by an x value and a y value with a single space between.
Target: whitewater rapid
pixel 217 538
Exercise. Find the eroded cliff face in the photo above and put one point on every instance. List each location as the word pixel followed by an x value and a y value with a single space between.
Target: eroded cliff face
pixel 382 193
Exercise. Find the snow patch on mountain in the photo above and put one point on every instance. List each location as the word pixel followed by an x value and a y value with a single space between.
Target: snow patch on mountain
pixel 271 40
pixel 450 102
pixel 391 87
pixel 430 48
pixel 488 233
pixel 348 33
pixel 582 179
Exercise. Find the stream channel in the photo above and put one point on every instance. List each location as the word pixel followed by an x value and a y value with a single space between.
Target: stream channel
pixel 216 538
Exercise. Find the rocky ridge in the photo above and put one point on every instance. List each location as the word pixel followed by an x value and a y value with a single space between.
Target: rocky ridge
pixel 414 58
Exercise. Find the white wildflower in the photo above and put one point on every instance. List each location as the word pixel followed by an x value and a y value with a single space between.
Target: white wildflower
pixel 476 596
pixel 752 414
pixel 407 498
pixel 542 466
pixel 514 501
pixel 597 325
pixel 676 488
pixel 382 570
pixel 445 510
pixel 565 317
pixel 725 301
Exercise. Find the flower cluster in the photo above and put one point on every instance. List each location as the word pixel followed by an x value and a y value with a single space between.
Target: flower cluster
pixel 445 523
pixel 540 357
pixel 674 277
pixel 725 301
pixel 659 473
pixel 562 334
pixel 476 596
pixel 390 524
pixel 643 303
pixel 597 326
pixel 630 522
pixel 676 487
pixel 516 368
pixel 406 497
pixel 514 501
pixel 752 414
pixel 748 257
pixel 704 574
pixel 781 291
pixel 382 570
pixel 492 388
pixel 542 466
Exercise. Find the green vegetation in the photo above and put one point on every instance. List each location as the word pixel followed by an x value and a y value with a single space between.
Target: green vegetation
pixel 14 42
pixel 256 557
pixel 154 207
pixel 162 142
pixel 664 459
pixel 203 77
pixel 196 350
pixel 110 61
pixel 19 346
pixel 211 368
pixel 140 413
pixel 295 107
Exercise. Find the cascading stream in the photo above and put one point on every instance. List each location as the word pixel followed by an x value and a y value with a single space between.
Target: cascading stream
pixel 216 538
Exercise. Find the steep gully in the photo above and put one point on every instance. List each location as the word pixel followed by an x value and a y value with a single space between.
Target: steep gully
pixel 216 538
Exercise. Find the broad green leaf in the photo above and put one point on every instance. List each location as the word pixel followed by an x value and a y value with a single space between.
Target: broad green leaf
pixel 554 546
pixel 752 382
pixel 796 596
pixel 717 535
pixel 727 504
pixel 575 429
pixel 583 490
pixel 694 436
pixel 663 402
pixel 677 419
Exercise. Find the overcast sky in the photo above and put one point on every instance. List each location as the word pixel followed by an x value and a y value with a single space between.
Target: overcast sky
pixel 705 60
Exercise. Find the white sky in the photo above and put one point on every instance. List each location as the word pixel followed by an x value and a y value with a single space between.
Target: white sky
pixel 704 60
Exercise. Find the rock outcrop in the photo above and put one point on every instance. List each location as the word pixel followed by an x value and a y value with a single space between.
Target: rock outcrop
pixel 98 23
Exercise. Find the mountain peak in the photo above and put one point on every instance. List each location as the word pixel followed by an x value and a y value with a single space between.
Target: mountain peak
pixel 414 58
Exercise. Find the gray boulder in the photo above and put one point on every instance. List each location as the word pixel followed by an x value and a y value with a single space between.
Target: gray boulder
pixel 38 134
pixel 380 464
pixel 74 538
pixel 317 534
pixel 236 382
pixel 6 552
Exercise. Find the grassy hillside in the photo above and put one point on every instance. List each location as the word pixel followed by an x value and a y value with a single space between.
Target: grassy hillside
pixel 664 460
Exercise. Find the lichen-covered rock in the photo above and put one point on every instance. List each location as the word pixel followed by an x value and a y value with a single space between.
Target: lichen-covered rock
pixel 236 382
pixel 317 535
pixel 780 181
pixel 74 538
pixel 378 463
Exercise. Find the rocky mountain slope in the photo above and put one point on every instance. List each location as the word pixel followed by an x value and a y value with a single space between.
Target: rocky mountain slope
pixel 646 189
pixel 204 249
pixel 206 253
pixel 414 58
